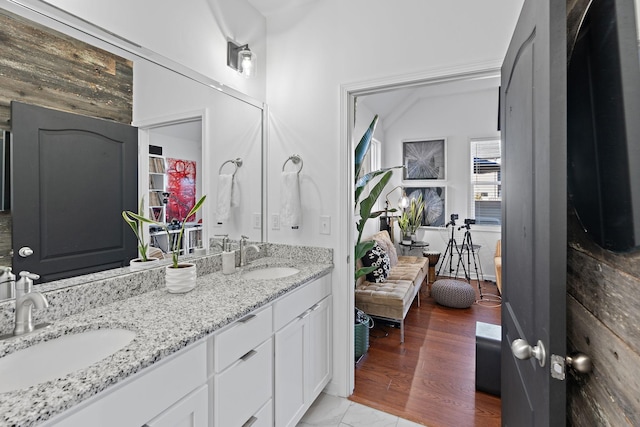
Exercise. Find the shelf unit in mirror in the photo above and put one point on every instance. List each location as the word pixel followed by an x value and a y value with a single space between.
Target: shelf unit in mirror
pixel 157 186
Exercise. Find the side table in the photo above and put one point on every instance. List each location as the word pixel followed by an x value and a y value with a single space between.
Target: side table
pixel 407 247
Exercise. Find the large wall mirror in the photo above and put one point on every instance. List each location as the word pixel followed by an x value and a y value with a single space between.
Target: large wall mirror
pixel 189 118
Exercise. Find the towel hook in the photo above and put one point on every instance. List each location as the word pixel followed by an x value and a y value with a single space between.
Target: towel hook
pixel 295 158
pixel 237 163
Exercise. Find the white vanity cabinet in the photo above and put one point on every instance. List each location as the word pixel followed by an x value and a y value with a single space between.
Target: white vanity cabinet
pixel 171 392
pixel 262 370
pixel 302 321
pixel 242 376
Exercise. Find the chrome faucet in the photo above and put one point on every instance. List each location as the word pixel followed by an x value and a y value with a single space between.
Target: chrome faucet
pixel 243 250
pixel 25 301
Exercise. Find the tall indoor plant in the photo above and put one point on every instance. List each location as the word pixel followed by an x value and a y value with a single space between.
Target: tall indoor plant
pixel 367 203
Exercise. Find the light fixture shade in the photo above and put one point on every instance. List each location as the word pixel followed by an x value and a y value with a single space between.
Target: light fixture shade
pixel 403 202
pixel 247 62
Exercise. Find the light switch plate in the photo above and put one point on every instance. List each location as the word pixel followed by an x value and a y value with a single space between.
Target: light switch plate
pixel 257 220
pixel 325 224
pixel 275 221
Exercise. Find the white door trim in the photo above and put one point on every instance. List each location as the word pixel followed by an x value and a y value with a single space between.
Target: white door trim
pixel 343 291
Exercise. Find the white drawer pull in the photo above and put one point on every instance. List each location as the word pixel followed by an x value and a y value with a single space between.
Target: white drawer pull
pixel 245 319
pixel 251 421
pixel 249 355
pixel 315 307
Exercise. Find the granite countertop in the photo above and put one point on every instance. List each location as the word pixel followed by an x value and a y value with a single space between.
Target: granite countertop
pixel 163 322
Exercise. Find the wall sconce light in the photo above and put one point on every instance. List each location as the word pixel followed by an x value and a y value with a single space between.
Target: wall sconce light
pixel 241 59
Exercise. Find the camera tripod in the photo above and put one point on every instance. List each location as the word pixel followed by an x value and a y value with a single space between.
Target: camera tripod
pixel 452 246
pixel 471 253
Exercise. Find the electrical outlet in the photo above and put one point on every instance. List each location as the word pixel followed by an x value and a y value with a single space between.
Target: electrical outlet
pixel 325 224
pixel 275 221
pixel 257 220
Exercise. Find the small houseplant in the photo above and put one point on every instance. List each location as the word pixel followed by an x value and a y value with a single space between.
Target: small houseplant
pixel 403 223
pixel 136 222
pixel 414 215
pixel 181 277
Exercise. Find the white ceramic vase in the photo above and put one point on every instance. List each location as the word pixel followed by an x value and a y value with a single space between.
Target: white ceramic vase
pixel 137 263
pixel 181 279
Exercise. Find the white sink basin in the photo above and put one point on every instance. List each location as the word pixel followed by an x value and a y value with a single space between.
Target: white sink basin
pixel 60 356
pixel 270 273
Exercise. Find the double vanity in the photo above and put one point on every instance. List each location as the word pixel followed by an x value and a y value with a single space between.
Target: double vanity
pixel 248 348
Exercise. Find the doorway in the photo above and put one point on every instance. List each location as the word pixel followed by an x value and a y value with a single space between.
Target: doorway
pixel 403 91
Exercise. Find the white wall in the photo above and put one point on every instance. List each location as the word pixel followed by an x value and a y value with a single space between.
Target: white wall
pixel 194 36
pixel 316 48
pixel 232 129
pixel 458 118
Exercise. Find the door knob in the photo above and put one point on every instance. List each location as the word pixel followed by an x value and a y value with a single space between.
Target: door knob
pixel 25 251
pixel 523 351
pixel 579 362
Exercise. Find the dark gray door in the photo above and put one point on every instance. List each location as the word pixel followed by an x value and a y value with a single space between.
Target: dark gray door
pixel 72 177
pixel 533 124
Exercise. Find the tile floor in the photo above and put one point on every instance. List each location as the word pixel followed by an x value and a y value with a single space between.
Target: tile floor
pixel 331 411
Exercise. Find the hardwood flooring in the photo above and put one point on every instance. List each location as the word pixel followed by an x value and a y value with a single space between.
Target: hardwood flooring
pixel 430 379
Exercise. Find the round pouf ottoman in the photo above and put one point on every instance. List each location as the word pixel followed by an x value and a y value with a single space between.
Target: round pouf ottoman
pixel 453 293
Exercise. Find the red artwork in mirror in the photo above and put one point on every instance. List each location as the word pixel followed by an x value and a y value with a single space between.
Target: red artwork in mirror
pixel 181 185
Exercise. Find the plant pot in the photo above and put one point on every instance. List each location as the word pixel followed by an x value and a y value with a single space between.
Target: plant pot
pixel 137 263
pixel 182 279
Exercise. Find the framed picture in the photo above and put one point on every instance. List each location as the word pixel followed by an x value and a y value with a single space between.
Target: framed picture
pixel 434 204
pixel 424 159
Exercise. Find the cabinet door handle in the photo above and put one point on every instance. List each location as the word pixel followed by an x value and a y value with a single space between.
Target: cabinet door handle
pixel 245 319
pixel 248 355
pixel 251 421
pixel 315 307
pixel 305 314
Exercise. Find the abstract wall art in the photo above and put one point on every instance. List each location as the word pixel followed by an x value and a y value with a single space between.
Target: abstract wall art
pixel 424 159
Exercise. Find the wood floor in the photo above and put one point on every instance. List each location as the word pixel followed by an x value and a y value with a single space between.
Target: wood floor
pixel 430 379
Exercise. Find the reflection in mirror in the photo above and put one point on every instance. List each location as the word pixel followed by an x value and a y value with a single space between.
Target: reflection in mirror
pixel 231 126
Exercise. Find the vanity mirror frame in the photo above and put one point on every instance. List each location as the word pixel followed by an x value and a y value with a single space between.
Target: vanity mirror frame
pixel 80 29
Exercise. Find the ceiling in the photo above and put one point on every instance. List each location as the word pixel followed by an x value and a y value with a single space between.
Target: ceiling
pixel 391 104
pixel 269 7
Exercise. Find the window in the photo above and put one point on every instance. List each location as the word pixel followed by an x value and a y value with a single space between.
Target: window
pixel 486 181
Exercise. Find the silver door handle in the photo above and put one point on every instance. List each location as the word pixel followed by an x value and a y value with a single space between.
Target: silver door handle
pixel 523 351
pixel 25 251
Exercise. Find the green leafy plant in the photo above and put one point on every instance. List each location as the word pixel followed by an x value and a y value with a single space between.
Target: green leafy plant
pixel 403 223
pixel 136 222
pixel 367 203
pixel 175 250
pixel 415 211
pixel 175 243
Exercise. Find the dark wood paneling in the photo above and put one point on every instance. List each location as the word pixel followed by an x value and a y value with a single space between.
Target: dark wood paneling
pixel 610 395
pixel 610 295
pixel 43 67
pixel 603 321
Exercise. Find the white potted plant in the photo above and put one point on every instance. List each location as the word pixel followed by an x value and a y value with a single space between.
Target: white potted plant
pixel 136 222
pixel 181 277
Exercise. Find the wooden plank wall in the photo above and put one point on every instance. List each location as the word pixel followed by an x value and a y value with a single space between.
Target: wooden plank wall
pixel 43 67
pixel 603 321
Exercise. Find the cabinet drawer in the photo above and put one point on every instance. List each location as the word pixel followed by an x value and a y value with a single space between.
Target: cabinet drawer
pixel 240 337
pixel 262 418
pixel 243 388
pixel 297 302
